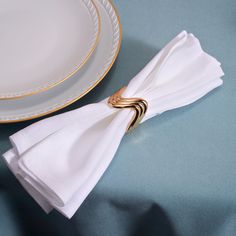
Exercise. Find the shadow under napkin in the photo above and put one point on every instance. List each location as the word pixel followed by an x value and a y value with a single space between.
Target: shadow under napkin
pixel 24 217
pixel 117 214
pixel 154 222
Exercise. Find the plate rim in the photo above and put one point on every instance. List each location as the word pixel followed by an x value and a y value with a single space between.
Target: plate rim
pixel 87 90
pixel 77 68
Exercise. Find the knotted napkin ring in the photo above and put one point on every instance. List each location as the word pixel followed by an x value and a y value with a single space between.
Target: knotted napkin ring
pixel 139 105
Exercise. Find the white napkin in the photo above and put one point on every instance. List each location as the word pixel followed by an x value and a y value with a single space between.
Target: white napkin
pixel 60 159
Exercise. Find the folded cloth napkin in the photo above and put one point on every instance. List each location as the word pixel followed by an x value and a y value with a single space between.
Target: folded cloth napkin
pixel 60 159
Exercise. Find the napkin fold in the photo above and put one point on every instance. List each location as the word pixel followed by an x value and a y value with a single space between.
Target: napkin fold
pixel 60 159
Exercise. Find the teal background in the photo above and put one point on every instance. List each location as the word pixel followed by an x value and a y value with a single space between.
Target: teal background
pixel 175 174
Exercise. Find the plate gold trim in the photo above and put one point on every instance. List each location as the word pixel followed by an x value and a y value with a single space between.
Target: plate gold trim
pixel 39 90
pixel 88 90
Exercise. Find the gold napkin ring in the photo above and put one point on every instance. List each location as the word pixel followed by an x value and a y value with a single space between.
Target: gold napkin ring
pixel 139 105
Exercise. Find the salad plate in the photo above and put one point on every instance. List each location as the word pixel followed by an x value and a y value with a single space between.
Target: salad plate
pixel 44 42
pixel 79 84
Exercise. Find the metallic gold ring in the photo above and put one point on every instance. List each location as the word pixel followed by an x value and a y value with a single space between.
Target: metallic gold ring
pixel 139 105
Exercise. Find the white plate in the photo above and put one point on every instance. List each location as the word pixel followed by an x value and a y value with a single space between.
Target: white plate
pixel 81 83
pixel 42 43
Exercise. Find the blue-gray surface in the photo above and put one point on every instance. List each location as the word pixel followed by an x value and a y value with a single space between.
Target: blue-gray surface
pixel 175 174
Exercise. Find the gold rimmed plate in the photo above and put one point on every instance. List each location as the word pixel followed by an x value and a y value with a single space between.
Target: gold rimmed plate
pixel 44 42
pixel 79 84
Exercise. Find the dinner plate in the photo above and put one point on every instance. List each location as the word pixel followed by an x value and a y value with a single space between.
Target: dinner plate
pixel 79 84
pixel 42 43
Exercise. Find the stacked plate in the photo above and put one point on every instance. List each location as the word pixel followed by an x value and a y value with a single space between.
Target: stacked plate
pixel 52 53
